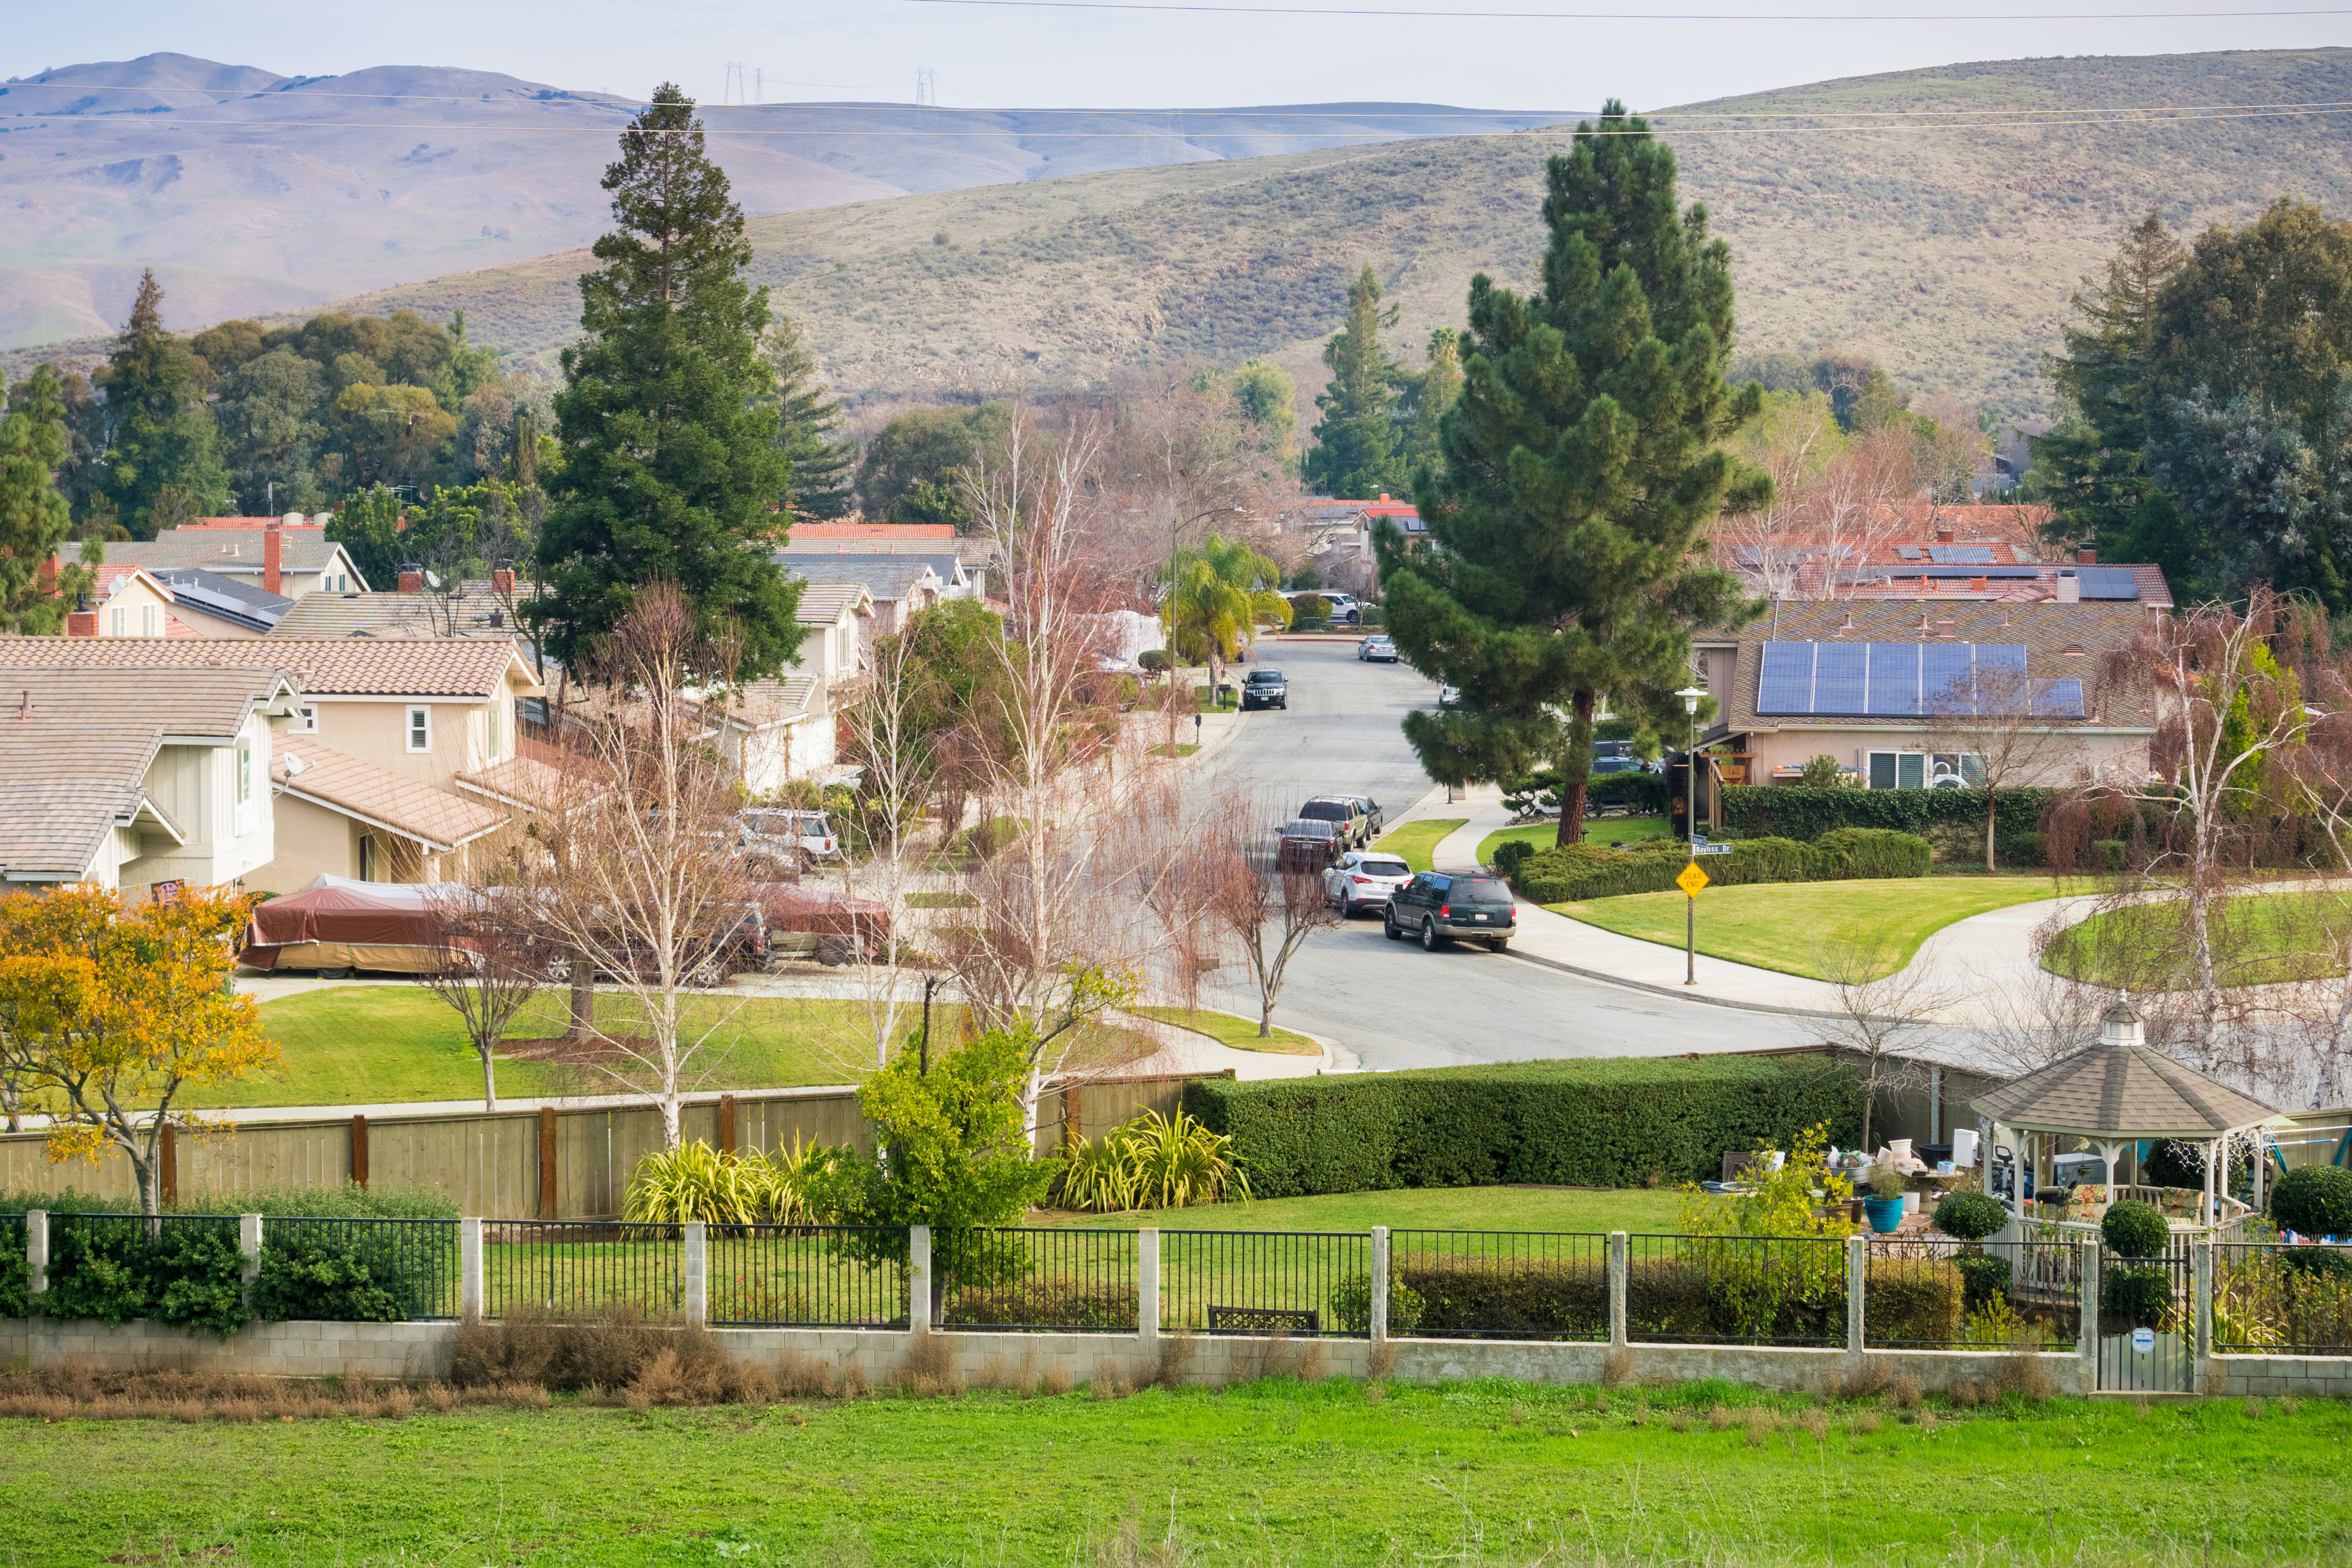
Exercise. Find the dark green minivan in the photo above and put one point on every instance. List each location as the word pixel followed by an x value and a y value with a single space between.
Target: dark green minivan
pixel 1437 906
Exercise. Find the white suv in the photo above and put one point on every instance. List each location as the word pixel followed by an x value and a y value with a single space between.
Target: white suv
pixel 1364 878
pixel 782 836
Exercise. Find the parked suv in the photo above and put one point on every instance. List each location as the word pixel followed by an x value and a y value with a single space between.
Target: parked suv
pixel 775 839
pixel 1363 880
pixel 1439 906
pixel 1345 812
pixel 1265 689
pixel 1375 819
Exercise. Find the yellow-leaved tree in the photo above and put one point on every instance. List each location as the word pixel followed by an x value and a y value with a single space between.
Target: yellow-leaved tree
pixel 108 1011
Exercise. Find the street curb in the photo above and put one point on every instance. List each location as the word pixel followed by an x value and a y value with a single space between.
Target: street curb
pixel 1676 993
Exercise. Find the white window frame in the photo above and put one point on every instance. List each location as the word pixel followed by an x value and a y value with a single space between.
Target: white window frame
pixel 118 621
pixel 305 721
pixel 490 732
pixel 1952 763
pixel 243 792
pixel 415 729
pixel 150 621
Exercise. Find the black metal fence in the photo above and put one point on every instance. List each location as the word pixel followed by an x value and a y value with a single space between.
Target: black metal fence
pixel 1948 1295
pixel 2146 1323
pixel 1051 1280
pixel 1498 1285
pixel 807 1276
pixel 1735 1289
pixel 581 1266
pixel 1302 1283
pixel 2282 1298
pixel 418 1261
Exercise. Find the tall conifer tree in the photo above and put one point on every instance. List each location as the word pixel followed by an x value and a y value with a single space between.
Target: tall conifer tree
pixel 825 467
pixel 1355 452
pixel 666 420
pixel 1581 464
pixel 160 433
pixel 34 518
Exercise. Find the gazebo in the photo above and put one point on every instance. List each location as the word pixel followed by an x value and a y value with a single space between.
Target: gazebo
pixel 2114 1095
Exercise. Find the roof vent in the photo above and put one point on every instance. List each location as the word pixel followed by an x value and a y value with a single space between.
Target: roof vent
pixel 25 707
pixel 1947 628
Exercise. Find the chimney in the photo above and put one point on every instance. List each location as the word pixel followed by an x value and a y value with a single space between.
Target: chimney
pixel 2069 588
pixel 412 582
pixel 1976 584
pixel 2086 558
pixel 82 623
pixel 1946 628
pixel 502 583
pixel 273 554
pixel 1943 536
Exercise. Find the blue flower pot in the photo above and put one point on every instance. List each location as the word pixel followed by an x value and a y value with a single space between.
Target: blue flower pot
pixel 1885 1215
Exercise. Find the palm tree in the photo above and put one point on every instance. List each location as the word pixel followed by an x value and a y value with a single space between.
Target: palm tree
pixel 1219 593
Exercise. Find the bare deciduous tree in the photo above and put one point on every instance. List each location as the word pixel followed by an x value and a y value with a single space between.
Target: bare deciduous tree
pixel 2007 720
pixel 1881 1008
pixel 1265 907
pixel 493 962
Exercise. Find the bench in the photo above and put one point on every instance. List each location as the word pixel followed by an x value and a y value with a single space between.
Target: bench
pixel 1262 1320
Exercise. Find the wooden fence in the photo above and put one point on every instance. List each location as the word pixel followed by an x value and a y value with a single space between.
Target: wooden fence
pixel 548 1163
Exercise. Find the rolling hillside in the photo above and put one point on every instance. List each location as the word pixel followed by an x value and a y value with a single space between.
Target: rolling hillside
pixel 1947 254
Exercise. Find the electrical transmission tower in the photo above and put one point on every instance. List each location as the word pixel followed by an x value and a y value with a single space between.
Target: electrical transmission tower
pixel 927 85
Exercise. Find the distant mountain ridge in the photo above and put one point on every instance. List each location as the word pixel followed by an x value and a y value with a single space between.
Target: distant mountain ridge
pixel 250 191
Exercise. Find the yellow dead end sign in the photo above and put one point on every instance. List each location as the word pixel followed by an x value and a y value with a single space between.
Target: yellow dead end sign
pixel 1691 880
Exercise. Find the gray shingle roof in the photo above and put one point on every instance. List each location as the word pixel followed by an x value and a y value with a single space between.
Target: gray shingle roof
pixel 225 550
pixel 886 576
pixel 2121 1090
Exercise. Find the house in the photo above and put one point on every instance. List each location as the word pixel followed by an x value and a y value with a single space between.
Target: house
pixel 480 606
pixel 1857 679
pixel 780 730
pixel 284 558
pixel 399 754
pixel 1339 538
pixel 111 776
pixel 837 631
pixel 902 587
pixel 130 600
pixel 962 565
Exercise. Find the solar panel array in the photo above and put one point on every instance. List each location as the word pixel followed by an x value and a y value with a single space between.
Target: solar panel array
pixel 1904 681
pixel 1961 554
pixel 2108 583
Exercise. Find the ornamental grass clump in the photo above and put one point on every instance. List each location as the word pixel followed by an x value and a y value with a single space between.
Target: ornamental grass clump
pixel 695 1182
pixel 1153 1161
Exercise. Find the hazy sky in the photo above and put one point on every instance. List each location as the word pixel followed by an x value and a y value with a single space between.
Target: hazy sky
pixel 987 56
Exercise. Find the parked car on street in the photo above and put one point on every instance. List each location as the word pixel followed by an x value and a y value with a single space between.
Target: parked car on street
pixel 1376 821
pixel 1364 879
pixel 1264 689
pixel 1440 906
pixel 1345 812
pixel 816 922
pixel 1377 648
pixel 774 838
pixel 1447 697
pixel 1344 607
pixel 1307 845
pixel 1604 766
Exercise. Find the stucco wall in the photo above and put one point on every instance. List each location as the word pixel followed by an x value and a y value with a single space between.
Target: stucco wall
pixel 376 732
pixel 311 841
pixel 1795 748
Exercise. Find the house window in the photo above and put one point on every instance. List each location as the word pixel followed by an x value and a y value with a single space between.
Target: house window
pixel 1925 770
pixel 147 614
pixel 243 778
pixel 118 622
pixel 490 731
pixel 305 722
pixel 841 650
pixel 367 858
pixel 420 729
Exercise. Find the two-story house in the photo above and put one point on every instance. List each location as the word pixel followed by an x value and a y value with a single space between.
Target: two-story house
pixel 284 558
pixel 837 631
pixel 111 776
pixel 130 601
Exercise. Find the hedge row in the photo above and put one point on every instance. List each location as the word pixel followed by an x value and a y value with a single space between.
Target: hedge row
pixel 1570 874
pixel 1792 811
pixel 1614 1122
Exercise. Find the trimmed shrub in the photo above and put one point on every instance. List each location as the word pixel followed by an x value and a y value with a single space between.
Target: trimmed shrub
pixel 2137 1293
pixel 312 1278
pixel 1667 1297
pixel 1903 1301
pixel 2314 1200
pixel 2134 1229
pixel 1462 1298
pixel 1510 854
pixel 1049 1303
pixel 1577 872
pixel 1799 813
pixel 110 1268
pixel 1868 852
pixel 2171 1163
pixel 1614 1122
pixel 1971 1216
pixel 1984 1280
pixel 1352 1304
pixel 1647 793
pixel 16 1269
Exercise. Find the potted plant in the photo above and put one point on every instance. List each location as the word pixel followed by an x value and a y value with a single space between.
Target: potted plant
pixel 1884 1208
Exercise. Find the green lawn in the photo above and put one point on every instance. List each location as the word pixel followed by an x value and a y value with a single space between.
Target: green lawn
pixel 1230 1029
pixel 1331 1473
pixel 1421 1208
pixel 1600 832
pixel 940 900
pixel 2259 939
pixel 1416 841
pixel 1794 927
pixel 1183 749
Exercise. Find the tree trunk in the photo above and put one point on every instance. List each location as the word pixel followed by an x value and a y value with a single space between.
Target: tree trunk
pixel 584 996
pixel 489 1081
pixel 1576 770
pixel 1992 812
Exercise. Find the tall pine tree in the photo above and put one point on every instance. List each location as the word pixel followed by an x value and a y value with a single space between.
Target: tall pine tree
pixel 824 466
pixel 1433 391
pixel 1582 462
pixel 666 420
pixel 34 518
pixel 1355 452
pixel 160 433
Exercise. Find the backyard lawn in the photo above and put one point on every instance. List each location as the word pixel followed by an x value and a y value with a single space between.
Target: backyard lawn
pixel 2259 939
pixel 1600 831
pixel 1795 927
pixel 1232 1029
pixel 1420 1208
pixel 1416 841
pixel 1274 1472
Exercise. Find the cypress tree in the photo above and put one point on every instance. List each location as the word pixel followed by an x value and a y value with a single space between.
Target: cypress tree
pixel 1355 452
pixel 1580 465
pixel 666 420
pixel 160 433
pixel 823 465
pixel 34 518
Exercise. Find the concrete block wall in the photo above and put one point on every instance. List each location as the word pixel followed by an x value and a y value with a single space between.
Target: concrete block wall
pixel 2304 1376
pixel 416 1352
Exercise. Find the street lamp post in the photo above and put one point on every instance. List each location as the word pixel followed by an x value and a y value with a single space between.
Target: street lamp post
pixel 1690 696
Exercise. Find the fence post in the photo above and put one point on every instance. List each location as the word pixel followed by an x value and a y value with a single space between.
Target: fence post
pixel 1618 1247
pixel 549 1196
pixel 36 1248
pixel 1378 1326
pixel 248 1244
pixel 469 1269
pixel 2203 1254
pixel 919 1279
pixel 1857 1282
pixel 358 1151
pixel 694 1269
pixel 1147 1286
pixel 2089 1349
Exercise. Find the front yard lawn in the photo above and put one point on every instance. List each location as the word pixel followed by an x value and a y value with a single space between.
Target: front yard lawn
pixel 1794 927
pixel 1601 832
pixel 1232 1029
pixel 2259 939
pixel 1416 841
pixel 1633 1209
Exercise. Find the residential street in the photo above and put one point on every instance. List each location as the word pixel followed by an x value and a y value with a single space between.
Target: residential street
pixel 1389 1004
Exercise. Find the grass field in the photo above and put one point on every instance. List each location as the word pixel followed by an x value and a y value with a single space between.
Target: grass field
pixel 373 1045
pixel 1276 1472
pixel 2259 939
pixel 1232 1029
pixel 1794 927
pixel 1601 832
pixel 1629 1209
pixel 1416 841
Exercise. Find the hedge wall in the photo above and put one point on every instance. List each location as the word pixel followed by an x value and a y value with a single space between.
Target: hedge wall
pixel 1582 871
pixel 1613 1123
pixel 1792 811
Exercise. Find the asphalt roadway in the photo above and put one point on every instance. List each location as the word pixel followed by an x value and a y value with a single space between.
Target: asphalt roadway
pixel 1389 1004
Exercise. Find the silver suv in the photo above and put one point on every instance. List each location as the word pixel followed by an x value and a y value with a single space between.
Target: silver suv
pixel 776 837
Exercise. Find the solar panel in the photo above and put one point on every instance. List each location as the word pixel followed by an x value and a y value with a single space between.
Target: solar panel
pixel 2108 583
pixel 1945 678
pixel 2058 699
pixel 1784 681
pixel 1961 554
pixel 1948 573
pixel 1893 679
pixel 1840 677
pixel 1908 551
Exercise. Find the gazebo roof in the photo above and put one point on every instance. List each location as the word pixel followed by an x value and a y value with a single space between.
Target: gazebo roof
pixel 2123 1087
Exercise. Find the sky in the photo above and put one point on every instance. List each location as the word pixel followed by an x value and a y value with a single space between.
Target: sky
pixel 986 55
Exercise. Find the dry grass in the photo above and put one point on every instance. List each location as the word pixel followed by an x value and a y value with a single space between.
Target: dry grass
pixel 1616 1366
